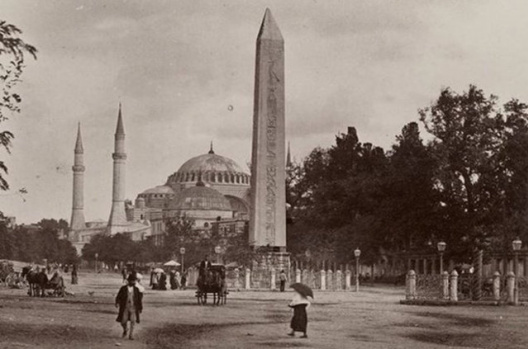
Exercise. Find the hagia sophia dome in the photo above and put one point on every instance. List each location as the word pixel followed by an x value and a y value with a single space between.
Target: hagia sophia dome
pixel 205 188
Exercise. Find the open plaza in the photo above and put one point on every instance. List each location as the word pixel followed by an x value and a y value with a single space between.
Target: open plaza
pixel 371 318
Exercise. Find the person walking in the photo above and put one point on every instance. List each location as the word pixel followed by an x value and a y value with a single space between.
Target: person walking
pixel 299 321
pixel 172 280
pixel 74 278
pixel 282 278
pixel 184 280
pixel 130 302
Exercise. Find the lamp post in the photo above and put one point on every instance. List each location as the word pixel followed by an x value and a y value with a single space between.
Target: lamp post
pixel 96 256
pixel 182 252
pixel 441 248
pixel 218 250
pixel 516 245
pixel 357 253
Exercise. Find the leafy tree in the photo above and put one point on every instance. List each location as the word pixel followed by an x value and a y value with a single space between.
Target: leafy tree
pixel 13 51
pixel 466 129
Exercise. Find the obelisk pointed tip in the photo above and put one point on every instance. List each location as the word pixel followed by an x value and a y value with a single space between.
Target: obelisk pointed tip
pixel 269 29
pixel 78 143
pixel 120 129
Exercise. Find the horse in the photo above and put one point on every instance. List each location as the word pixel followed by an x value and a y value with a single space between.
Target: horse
pixel 37 281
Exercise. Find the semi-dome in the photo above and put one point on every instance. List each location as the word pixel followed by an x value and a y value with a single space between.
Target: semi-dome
pixel 201 197
pixel 160 189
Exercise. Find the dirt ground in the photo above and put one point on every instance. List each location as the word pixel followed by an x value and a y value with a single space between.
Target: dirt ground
pixel 372 318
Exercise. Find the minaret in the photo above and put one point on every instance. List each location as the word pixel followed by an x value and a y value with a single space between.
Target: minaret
pixel 267 225
pixel 118 215
pixel 77 218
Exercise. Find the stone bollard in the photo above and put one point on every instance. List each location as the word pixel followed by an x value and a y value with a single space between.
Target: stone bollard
pixel 445 285
pixel 273 279
pixel 348 278
pixel 305 277
pixel 410 291
pixel 248 279
pixel 339 280
pixel 330 279
pixel 510 286
pixel 323 280
pixel 237 278
pixel 297 275
pixel 496 286
pixel 453 294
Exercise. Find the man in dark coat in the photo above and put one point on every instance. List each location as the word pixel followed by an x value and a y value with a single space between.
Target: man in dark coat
pixel 205 266
pixel 130 302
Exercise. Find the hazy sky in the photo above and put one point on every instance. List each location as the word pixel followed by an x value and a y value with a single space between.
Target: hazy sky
pixel 177 66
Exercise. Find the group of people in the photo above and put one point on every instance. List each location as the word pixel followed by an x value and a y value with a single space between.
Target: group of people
pixel 158 280
pixel 129 299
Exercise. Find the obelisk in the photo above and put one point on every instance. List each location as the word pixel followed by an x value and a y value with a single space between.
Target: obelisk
pixel 267 225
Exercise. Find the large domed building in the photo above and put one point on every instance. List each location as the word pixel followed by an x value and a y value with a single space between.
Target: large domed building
pixel 208 188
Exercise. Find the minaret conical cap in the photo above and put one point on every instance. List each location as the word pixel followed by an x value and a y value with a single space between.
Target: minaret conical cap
pixel 120 130
pixel 78 143
pixel 269 29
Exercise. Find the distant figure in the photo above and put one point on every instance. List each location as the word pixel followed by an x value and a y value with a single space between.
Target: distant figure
pixel 140 287
pixel 124 273
pixel 172 280
pixel 177 277
pixel 130 302
pixel 282 278
pixel 299 322
pixel 162 282
pixel 74 278
pixel 184 280
pixel 205 266
pixel 67 268
pixel 116 268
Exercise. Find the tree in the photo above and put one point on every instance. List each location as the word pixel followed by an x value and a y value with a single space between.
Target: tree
pixel 409 209
pixel 12 58
pixel 467 136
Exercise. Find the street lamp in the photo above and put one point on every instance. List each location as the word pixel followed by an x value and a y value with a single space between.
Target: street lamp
pixel 96 256
pixel 516 245
pixel 357 253
pixel 182 252
pixel 441 248
pixel 218 250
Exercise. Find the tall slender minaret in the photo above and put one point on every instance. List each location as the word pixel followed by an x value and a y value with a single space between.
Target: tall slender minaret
pixel 77 218
pixel 118 215
pixel 267 224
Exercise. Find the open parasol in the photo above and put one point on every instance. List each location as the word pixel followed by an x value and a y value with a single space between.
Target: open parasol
pixel 304 290
pixel 172 264
pixel 159 270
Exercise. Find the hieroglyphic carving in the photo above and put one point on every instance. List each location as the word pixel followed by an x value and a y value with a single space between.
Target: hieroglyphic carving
pixel 271 155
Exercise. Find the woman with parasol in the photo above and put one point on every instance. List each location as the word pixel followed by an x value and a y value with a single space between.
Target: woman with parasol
pixel 299 304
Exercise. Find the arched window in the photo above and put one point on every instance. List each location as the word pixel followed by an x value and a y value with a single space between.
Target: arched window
pixel 220 177
pixel 193 177
pixel 232 179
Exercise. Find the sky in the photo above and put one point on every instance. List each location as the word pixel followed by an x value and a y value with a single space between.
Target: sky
pixel 183 71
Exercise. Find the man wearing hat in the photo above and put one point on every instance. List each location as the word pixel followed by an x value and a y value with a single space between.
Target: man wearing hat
pixel 129 300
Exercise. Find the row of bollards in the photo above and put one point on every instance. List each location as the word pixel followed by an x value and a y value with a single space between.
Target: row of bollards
pixel 327 279
pixel 450 287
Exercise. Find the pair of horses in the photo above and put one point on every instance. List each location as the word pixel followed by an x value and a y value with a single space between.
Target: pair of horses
pixel 212 281
pixel 39 283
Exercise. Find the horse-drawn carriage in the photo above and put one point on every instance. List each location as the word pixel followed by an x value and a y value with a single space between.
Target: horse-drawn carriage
pixel 212 281
pixel 40 284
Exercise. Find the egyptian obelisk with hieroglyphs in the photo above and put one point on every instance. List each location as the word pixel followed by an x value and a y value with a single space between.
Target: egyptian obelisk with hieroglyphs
pixel 267 226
